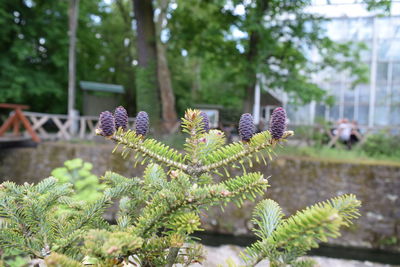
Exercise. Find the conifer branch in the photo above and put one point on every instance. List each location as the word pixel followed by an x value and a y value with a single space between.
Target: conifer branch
pixel 150 148
pixel 57 260
pixel 166 203
pixel 300 232
pixel 237 151
pixel 192 124
pixel 173 253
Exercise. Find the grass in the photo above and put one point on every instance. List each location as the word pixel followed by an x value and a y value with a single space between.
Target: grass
pixel 336 154
pixel 339 154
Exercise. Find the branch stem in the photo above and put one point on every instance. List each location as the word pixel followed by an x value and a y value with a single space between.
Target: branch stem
pixel 149 153
pixel 173 253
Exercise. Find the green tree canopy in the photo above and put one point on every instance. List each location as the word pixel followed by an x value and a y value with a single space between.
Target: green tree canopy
pixel 34 45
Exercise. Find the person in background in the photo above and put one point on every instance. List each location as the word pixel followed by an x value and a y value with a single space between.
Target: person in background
pixel 344 130
pixel 355 136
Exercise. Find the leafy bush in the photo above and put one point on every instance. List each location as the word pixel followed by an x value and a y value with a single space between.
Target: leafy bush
pixel 85 183
pixel 159 212
pixel 382 144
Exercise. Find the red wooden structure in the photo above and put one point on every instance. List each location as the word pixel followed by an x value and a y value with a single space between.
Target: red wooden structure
pixel 16 119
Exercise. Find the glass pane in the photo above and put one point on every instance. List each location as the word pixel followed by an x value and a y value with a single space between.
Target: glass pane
pixel 334 113
pixel 338 29
pixel 388 49
pixel 363 114
pixel 290 114
pixel 364 94
pixel 388 27
pixel 395 115
pixel 366 54
pixel 355 29
pixel 320 112
pixel 381 96
pixel 298 115
pixel 382 71
pixel 348 112
pixel 385 29
pixel 394 48
pixel 395 94
pixel 383 48
pixel 360 29
pixel 396 73
pixel 349 96
pixel 381 116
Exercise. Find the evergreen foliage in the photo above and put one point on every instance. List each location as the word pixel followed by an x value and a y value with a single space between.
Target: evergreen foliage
pixel 77 172
pixel 282 241
pixel 159 212
pixel 32 224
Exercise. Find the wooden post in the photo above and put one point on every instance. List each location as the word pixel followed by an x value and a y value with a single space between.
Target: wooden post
pixel 73 23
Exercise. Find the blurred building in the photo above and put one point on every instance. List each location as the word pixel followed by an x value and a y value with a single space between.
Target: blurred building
pixel 374 104
pixel 98 97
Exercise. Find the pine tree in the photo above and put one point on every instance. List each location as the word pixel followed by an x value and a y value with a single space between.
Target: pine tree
pixel 159 212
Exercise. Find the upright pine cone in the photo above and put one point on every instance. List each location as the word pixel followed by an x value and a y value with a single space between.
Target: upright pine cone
pixel 246 127
pixel 121 118
pixel 107 125
pixel 206 122
pixel 142 123
pixel 277 123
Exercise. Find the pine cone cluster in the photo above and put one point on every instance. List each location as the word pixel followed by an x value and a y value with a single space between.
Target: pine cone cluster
pixel 206 122
pixel 278 123
pixel 246 127
pixel 121 118
pixel 107 125
pixel 142 123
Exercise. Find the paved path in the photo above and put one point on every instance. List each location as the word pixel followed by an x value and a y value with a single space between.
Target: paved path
pixel 218 255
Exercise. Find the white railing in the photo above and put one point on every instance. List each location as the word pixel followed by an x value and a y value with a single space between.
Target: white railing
pixel 58 126
pixel 85 126
pixel 89 124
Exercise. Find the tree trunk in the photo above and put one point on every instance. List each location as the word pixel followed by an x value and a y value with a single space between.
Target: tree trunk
pixel 252 57
pixel 252 75
pixel 169 116
pixel 147 93
pixel 73 23
pixel 124 9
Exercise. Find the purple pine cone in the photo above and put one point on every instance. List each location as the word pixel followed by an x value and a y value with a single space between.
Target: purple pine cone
pixel 277 123
pixel 246 127
pixel 107 125
pixel 206 121
pixel 142 123
pixel 121 118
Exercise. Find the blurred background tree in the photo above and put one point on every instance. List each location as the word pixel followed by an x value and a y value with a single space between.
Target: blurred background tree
pixel 203 52
pixel 34 45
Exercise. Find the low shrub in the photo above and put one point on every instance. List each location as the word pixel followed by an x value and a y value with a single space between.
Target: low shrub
pixel 382 144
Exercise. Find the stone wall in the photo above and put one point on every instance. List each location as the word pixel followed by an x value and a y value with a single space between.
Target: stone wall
pixel 295 183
